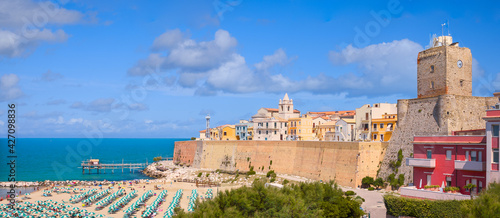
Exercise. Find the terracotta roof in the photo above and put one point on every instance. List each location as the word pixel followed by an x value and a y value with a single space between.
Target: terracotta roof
pixel 203 130
pixel 334 112
pixel 276 110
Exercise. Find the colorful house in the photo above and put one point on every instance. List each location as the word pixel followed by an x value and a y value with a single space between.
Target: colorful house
pixel 228 133
pixel 382 128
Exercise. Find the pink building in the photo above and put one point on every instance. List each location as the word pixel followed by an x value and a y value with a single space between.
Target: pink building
pixel 458 159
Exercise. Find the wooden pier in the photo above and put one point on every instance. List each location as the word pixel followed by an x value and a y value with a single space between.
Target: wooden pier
pixel 95 164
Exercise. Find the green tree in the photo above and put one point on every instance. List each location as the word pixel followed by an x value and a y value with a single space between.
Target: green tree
pixel 379 182
pixel 296 200
pixel 366 182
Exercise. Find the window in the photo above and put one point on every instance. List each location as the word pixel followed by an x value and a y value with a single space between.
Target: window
pixel 480 156
pixel 366 116
pixel 432 69
pixel 432 84
pixel 466 155
pixel 381 137
pixel 448 154
pixel 288 108
pixel 473 156
pixel 260 132
pixel 299 130
pixel 480 186
pixel 275 132
pixel 495 155
pixel 448 181
pixel 275 125
pixel 381 125
pixel 267 132
pixel 285 124
pixel 285 132
pixel 225 133
pixel 299 122
pixel 495 130
pixel 461 82
pixel 429 154
pixel 429 178
pixel 375 126
pixel 267 125
pixel 374 136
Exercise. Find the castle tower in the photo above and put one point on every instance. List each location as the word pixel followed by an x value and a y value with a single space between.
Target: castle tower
pixel 285 107
pixel 207 133
pixel 445 68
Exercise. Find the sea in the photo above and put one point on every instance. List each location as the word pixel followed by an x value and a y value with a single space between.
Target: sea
pixel 40 159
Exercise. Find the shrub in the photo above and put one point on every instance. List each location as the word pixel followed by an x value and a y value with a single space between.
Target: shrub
pixel 270 174
pixel 272 179
pixel 371 189
pixel 431 186
pixel 451 188
pixel 402 206
pixel 208 174
pixel 469 186
pixel 271 162
pixel 285 181
pixel 199 174
pixel 157 159
pixel 350 193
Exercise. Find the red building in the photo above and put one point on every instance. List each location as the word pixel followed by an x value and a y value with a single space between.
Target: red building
pixel 460 159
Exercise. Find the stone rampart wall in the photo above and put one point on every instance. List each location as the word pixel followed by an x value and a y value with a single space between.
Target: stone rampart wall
pixel 345 162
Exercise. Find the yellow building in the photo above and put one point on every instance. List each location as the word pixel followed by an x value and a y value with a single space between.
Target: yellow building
pixel 382 128
pixel 228 132
pixel 324 128
pixel 250 133
pixel 301 128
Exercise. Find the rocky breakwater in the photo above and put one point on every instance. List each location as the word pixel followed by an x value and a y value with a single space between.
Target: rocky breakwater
pixel 169 171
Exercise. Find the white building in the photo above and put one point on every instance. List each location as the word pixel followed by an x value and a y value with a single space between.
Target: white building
pixel 366 113
pixel 344 130
pixel 271 124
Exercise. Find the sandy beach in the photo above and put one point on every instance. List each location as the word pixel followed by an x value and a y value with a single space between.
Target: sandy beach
pixel 140 187
pixel 171 178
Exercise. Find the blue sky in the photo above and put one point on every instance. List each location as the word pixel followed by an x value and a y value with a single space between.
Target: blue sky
pixel 155 69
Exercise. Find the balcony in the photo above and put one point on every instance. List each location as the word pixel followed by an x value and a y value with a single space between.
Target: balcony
pixel 417 162
pixel 469 165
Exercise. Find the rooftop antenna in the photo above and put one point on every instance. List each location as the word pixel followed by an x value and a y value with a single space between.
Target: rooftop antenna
pixel 442 29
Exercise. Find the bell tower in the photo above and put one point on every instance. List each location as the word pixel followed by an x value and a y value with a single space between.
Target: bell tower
pixel 285 107
pixel 444 68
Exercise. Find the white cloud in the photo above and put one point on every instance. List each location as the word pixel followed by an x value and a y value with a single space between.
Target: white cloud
pixel 279 57
pixel 58 120
pixel 74 121
pixel 167 40
pixel 9 88
pixel 187 54
pixel 24 25
pixel 13 45
pixel 385 68
pixel 50 76
pixel 211 67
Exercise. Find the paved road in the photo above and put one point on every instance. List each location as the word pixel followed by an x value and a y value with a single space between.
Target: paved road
pixel 374 202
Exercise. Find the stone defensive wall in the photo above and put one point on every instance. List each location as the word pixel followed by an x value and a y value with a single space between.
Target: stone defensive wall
pixel 345 162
